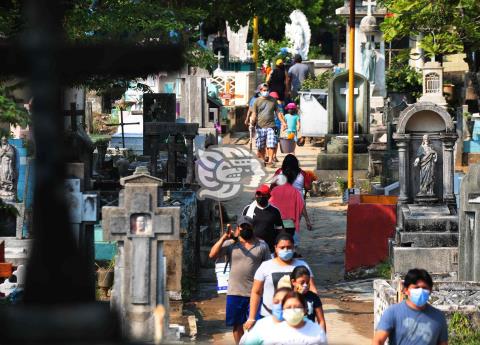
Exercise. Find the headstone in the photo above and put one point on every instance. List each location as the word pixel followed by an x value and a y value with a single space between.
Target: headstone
pixel 159 107
pixel 140 224
pixel 298 32
pixel 237 40
pixel 433 84
pixel 427 211
pixel 469 226
pixel 338 100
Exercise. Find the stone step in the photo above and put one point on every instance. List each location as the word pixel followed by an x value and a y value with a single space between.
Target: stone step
pixel 429 239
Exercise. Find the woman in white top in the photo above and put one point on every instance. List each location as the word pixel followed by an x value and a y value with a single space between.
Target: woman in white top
pixel 296 329
pixel 264 326
pixel 270 272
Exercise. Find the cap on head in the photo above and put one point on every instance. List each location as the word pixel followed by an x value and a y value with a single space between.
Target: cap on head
pixel 279 62
pixel 291 106
pixel 263 190
pixel 274 94
pixel 244 220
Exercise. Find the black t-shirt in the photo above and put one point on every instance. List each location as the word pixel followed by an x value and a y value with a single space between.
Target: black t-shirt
pixel 267 223
pixel 313 302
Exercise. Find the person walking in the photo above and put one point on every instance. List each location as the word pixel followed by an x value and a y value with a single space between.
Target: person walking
pixel 414 321
pixel 263 116
pixel 244 255
pixel 269 274
pixel 266 325
pixel 251 129
pixel 280 110
pixel 267 220
pixel 296 329
pixel 277 79
pixel 296 75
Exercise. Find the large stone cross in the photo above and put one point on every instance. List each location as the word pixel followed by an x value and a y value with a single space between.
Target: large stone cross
pixel 369 4
pixel 139 225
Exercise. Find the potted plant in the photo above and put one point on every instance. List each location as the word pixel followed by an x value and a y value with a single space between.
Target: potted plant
pixel 404 83
pixel 105 275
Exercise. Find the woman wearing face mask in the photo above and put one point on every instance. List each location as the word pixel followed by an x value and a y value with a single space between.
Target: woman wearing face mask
pixel 413 321
pixel 296 329
pixel 300 280
pixel 264 326
pixel 267 220
pixel 269 274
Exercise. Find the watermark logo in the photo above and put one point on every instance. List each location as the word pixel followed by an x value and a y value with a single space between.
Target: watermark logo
pixel 223 172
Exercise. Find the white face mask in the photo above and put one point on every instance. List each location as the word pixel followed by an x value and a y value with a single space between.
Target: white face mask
pixel 293 316
pixel 264 93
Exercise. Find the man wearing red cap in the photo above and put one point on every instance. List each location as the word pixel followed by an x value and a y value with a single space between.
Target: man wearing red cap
pixel 263 116
pixel 267 220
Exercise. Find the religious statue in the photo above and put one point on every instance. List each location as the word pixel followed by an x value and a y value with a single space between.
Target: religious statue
pixel 426 157
pixel 140 225
pixel 7 171
pixel 369 61
pixel 298 32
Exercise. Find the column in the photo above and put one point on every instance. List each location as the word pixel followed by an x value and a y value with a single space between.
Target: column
pixel 448 143
pixel 403 166
pixel 190 163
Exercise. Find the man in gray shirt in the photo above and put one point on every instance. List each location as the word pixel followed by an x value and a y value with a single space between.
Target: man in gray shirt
pixel 414 321
pixel 244 254
pixel 296 75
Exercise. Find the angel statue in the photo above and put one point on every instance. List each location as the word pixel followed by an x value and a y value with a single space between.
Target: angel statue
pixel 298 32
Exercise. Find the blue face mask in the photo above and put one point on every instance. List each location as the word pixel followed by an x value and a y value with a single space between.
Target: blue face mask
pixel 264 93
pixel 277 311
pixel 285 254
pixel 419 296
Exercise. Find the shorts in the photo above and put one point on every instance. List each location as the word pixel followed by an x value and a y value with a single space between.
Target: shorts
pixel 266 138
pixel 238 309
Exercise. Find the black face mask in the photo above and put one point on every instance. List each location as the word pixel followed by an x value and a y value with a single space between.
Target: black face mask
pixel 262 201
pixel 246 233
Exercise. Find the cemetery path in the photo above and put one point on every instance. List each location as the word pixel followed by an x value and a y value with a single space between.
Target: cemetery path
pixel 348 306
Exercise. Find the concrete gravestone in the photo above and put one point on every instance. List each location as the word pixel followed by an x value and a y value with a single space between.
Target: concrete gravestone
pixel 469 227
pixel 140 224
pixel 427 231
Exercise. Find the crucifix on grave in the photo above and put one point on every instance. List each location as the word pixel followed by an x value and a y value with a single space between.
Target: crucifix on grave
pixel 343 125
pixel 219 59
pixel 122 124
pixel 140 225
pixel 369 4
pixel 41 54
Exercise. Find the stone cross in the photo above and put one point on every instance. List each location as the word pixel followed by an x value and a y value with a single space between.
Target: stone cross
pixel 140 225
pixel 344 91
pixel 369 4
pixel 122 125
pixel 219 58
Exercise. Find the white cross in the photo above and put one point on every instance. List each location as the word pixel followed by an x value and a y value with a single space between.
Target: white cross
pixel 369 4
pixel 344 91
pixel 219 58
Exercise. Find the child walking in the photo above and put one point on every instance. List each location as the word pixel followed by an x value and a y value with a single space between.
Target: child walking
pixel 293 121
pixel 300 278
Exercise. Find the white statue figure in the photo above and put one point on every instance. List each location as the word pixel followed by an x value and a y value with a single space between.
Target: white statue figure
pixel 7 170
pixel 299 34
pixel 426 157
pixel 369 61
pixel 237 43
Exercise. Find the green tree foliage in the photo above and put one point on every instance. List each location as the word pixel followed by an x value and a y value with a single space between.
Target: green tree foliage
pixel 12 112
pixel 401 77
pixel 444 27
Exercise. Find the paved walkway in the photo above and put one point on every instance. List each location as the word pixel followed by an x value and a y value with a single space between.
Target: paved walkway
pixel 348 305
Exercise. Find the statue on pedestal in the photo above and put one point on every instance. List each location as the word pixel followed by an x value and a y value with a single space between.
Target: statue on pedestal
pixel 426 157
pixel 7 171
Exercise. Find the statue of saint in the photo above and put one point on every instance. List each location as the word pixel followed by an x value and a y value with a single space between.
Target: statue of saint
pixel 140 225
pixel 7 170
pixel 426 157
pixel 369 61
pixel 299 34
